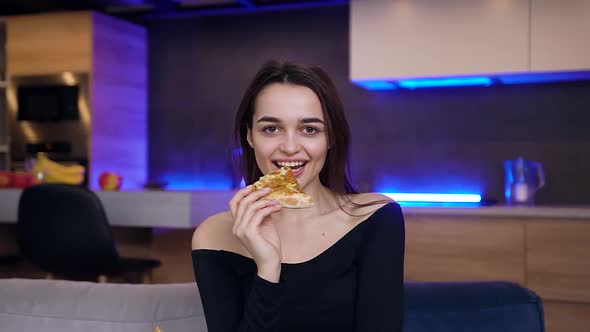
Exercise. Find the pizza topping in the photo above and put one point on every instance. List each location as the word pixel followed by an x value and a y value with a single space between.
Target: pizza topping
pixel 285 188
pixel 291 201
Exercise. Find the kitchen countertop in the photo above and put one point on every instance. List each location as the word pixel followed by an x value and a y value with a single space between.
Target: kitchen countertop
pixel 187 209
pixel 149 208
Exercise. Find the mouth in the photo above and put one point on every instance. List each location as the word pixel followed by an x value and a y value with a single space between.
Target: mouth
pixel 295 166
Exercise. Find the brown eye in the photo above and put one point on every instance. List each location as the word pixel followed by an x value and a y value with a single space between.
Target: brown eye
pixel 310 130
pixel 270 129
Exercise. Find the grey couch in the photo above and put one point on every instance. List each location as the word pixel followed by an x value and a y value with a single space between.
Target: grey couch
pixel 64 306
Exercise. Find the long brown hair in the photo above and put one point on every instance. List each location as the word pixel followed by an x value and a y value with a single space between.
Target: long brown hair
pixel 335 173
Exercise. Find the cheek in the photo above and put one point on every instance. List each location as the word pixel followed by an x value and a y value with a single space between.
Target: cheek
pixel 320 147
pixel 262 146
pixel 263 149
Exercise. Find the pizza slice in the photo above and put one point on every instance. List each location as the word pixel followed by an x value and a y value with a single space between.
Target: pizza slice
pixel 285 189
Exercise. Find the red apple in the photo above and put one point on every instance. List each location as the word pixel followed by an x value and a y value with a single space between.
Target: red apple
pixel 6 179
pixel 110 181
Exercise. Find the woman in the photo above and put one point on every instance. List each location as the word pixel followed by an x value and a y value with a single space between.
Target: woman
pixel 337 266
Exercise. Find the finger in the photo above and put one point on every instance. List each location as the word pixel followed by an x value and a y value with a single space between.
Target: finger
pixel 258 218
pixel 248 212
pixel 246 201
pixel 251 208
pixel 233 203
pixel 251 211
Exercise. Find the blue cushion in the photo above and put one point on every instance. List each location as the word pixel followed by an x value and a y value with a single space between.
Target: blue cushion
pixel 489 306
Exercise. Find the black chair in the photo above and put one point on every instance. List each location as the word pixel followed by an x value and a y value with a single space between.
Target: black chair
pixel 9 263
pixel 64 230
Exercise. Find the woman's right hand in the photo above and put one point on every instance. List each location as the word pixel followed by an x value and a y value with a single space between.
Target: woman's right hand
pixel 250 210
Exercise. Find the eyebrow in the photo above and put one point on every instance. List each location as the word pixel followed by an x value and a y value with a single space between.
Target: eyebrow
pixel 276 120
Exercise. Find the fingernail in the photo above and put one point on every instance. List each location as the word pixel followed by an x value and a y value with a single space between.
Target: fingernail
pixel 266 189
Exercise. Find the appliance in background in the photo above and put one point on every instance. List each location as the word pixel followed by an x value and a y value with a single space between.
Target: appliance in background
pixel 49 113
pixel 523 179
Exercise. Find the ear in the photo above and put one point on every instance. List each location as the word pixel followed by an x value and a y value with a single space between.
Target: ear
pixel 249 138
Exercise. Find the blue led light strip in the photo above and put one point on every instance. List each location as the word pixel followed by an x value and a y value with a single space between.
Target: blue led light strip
pixel 440 82
pixel 376 85
pixel 434 198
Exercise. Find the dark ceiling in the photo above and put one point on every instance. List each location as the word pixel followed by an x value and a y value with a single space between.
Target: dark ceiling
pixel 141 11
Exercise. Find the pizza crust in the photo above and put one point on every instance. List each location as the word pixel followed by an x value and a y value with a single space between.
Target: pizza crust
pixel 285 189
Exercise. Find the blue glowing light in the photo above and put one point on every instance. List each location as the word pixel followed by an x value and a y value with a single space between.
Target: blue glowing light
pixel 376 85
pixel 439 204
pixel 543 77
pixel 442 82
pixel 201 182
pixel 434 198
pixel 494 79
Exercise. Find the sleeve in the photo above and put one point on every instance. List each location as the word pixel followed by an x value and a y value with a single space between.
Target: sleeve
pixel 226 309
pixel 380 288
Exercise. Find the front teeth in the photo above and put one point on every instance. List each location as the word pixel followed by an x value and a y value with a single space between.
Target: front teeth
pixel 290 164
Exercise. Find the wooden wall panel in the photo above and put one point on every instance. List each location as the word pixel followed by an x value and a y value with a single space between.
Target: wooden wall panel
pixel 558 260
pixel 566 317
pixel 119 101
pixel 49 43
pixel 453 249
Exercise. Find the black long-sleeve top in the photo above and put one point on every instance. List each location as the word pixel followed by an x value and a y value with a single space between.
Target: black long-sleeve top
pixel 355 285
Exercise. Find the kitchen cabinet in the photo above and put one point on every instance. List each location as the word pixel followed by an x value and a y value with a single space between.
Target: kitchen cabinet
pixel 49 43
pixel 557 259
pixel 425 38
pixel 396 40
pixel 560 35
pixel 450 249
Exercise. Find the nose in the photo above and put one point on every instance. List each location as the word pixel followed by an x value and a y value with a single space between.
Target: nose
pixel 290 144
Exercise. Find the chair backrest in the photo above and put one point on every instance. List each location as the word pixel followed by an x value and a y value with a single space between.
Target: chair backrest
pixel 64 229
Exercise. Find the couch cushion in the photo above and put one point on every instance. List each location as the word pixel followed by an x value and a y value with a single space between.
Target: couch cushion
pixel 53 305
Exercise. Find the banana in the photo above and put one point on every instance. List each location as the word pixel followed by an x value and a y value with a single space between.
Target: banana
pixel 45 163
pixel 61 178
pixel 50 171
pixel 66 170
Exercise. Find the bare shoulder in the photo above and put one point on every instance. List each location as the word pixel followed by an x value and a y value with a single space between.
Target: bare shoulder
pixel 214 233
pixel 369 202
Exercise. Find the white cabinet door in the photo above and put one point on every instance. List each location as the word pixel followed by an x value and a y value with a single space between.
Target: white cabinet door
pixel 392 39
pixel 560 35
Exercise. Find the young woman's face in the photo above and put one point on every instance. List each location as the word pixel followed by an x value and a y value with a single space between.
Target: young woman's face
pixel 288 129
